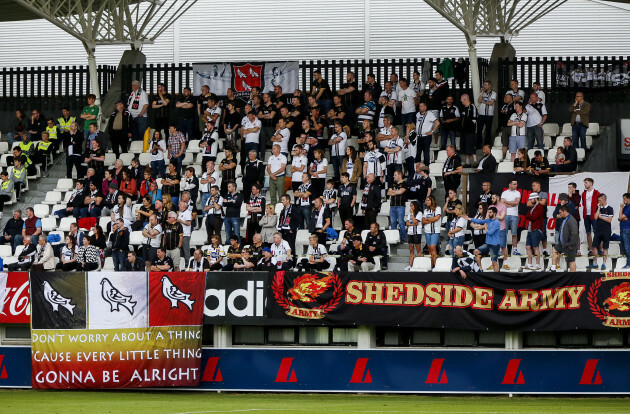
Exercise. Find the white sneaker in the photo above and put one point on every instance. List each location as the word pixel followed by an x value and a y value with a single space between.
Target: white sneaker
pixel 536 267
pixel 407 268
pixel 528 267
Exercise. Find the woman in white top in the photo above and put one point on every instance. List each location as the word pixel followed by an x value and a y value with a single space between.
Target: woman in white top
pixel 318 169
pixel 123 211
pixel 317 256
pixel 457 227
pixel 157 149
pixel 431 219
pixel 68 255
pixel 268 224
pixel 414 232
pixel 214 253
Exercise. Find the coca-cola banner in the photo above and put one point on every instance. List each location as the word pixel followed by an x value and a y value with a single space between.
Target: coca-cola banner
pixel 116 329
pixel 14 298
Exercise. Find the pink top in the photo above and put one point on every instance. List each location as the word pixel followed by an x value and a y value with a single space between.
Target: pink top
pixel 501 209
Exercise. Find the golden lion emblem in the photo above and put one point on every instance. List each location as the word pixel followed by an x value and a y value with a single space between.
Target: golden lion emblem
pixel 620 298
pixel 308 287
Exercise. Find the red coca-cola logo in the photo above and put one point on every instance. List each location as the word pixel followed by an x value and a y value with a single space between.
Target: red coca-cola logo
pixel 16 307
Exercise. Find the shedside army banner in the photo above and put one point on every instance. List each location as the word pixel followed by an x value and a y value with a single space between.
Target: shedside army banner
pixel 530 301
pixel 116 329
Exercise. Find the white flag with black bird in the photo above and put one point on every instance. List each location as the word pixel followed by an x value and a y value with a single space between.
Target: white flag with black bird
pixel 174 294
pixel 55 299
pixel 115 298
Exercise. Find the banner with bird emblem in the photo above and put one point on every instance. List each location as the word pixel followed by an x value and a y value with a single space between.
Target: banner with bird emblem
pixel 116 329
pixel 242 77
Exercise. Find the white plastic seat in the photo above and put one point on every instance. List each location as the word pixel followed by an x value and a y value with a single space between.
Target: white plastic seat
pixel 435 169
pixel 442 156
pixel 620 263
pixel 421 264
pixel 4 147
pixel 103 221
pixel 497 143
pixel 385 207
pixel 41 210
pixel 593 129
pixel 392 236
pixel 301 241
pixel 559 141
pixel 498 154
pixel 383 222
pixel 188 158
pixel 64 184
pixel 567 130
pixel 126 158
pixel 64 224
pixel 110 159
pixel 443 264
pixel 551 156
pixel 193 146
pixel 145 158
pixel 279 208
pixel 136 147
pixel 589 142
pixel 48 223
pixel 550 129
pixel 581 154
pixel 52 198
pixel 198 238
pixel 547 141
pixel 614 249
pixel 3 160
pixel 505 167
pixel 5 250
pixel 109 264
pixel 514 262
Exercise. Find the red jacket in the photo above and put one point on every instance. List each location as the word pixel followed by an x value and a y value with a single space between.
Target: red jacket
pixel 593 204
pixel 536 216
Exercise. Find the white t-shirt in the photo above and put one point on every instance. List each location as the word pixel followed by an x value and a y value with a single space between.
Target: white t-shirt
pixel 214 111
pixel 424 123
pixel 589 200
pixel 299 162
pixel 185 215
pixel 519 92
pixel 436 226
pixel 252 137
pixel 159 155
pixel 510 196
pixel 458 222
pixel 396 157
pixel 339 149
pixel 275 163
pixel 519 131
pixel 384 131
pixel 204 188
pixel 410 150
pixel 533 116
pixel 284 144
pixel 413 230
pixel 318 166
pixel 212 149
pixel 157 240
pixel 317 252
pixel 406 97
pixel 279 252
pixel 484 108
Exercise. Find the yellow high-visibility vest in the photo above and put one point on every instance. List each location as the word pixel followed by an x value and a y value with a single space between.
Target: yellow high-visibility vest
pixel 65 125
pixel 52 132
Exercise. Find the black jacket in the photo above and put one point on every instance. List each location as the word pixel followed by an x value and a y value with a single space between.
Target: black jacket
pixel 139 265
pixel 127 122
pixel 373 199
pixel 28 253
pixel 489 164
pixel 254 172
pixel 120 240
pixel 77 201
pixel 362 251
pixel 379 241
pixel 13 227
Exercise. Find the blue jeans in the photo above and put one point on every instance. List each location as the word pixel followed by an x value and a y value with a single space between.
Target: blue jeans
pixel 204 198
pixel 535 132
pixel 579 131
pixel 232 226
pixel 86 212
pixel 186 127
pixel 337 160
pixel 305 218
pixel 140 125
pixel 177 162
pixel 119 259
pixel 625 245
pixel 158 167
pixel 456 241
pixel 397 216
pixel 408 118
pixel 326 104
pixel 445 136
pixel 424 147
pixel 12 138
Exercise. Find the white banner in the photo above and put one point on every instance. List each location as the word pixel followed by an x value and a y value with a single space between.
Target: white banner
pixel 625 136
pixel 243 76
pixel 613 184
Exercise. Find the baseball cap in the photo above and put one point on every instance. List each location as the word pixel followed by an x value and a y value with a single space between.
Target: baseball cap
pixel 266 249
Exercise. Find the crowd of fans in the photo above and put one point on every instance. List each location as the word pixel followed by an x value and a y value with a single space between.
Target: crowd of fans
pixel 271 153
